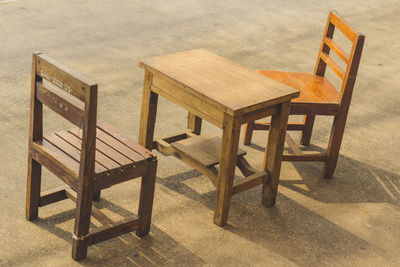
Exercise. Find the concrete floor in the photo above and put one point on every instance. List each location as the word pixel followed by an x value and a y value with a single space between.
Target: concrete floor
pixel 352 219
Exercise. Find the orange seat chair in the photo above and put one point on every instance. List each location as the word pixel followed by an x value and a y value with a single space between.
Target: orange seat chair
pixel 318 96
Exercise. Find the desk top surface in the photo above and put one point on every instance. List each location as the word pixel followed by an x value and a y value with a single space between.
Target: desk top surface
pixel 215 79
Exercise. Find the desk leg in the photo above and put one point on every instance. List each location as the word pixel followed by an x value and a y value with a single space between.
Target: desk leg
pixel 148 113
pixel 227 165
pixel 194 123
pixel 273 153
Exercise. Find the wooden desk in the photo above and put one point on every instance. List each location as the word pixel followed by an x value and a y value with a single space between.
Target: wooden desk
pixel 227 95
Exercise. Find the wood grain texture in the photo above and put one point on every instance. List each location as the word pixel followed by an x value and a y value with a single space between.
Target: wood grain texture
pixel 219 81
pixel 60 105
pixel 194 123
pixel 146 199
pixel 227 165
pixel 148 112
pixel 88 159
pixel 273 154
pixel 313 88
pixel 318 96
pixel 62 76
pixel 205 149
pixel 34 174
pixel 86 176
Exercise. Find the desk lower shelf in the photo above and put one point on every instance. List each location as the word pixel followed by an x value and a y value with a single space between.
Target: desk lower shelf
pixel 202 152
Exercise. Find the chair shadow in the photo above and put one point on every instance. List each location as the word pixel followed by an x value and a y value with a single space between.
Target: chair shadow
pixel 352 182
pixel 292 230
pixel 155 249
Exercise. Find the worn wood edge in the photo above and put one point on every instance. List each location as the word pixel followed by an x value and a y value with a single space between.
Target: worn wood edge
pixel 51 196
pixel 46 159
pixel 136 147
pixel 186 106
pixel 258 114
pixel 333 65
pixel 290 127
pixel 120 174
pixel 115 229
pixel 323 157
pixel 59 105
pixel 245 166
pixel 241 152
pixel 324 109
pixel 337 49
pixel 167 150
pixel 250 182
pixel 293 146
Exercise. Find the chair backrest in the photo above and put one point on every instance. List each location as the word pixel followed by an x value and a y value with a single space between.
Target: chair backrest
pixel 47 73
pixel 352 60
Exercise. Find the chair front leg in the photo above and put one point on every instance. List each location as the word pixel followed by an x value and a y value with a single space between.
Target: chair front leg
pixel 33 188
pixel 82 223
pixel 146 199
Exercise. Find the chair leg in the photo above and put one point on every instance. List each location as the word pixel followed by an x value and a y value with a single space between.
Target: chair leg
pixel 248 132
pixel 307 130
pixel 33 189
pixel 335 140
pixel 146 200
pixel 96 195
pixel 82 224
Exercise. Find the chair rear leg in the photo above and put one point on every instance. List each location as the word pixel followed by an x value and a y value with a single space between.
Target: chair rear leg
pixel 335 140
pixel 96 195
pixel 307 130
pixel 33 189
pixel 146 200
pixel 248 133
pixel 82 224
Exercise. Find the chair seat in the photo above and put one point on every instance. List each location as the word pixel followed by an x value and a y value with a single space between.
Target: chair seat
pixel 115 152
pixel 314 90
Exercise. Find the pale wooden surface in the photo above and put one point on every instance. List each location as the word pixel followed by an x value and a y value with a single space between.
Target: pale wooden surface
pixel 204 148
pixel 225 84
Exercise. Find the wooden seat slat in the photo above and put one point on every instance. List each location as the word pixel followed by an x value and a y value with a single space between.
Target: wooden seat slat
pixel 59 155
pixel 105 149
pixel 120 147
pixel 100 157
pixel 71 150
pixel 107 129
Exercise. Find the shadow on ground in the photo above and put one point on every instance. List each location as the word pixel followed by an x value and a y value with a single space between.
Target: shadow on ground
pixel 294 231
pixel 155 249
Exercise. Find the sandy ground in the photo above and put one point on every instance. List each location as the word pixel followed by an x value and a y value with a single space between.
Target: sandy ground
pixel 352 219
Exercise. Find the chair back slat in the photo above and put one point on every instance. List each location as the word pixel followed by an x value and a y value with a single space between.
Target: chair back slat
pixel 344 27
pixel 61 76
pixel 351 60
pixel 60 105
pixel 336 48
pixel 333 65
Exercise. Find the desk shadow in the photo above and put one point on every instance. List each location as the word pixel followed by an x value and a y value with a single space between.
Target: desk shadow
pixel 352 182
pixel 155 249
pixel 295 232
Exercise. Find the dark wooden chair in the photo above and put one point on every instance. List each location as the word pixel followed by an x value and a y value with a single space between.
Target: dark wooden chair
pixel 88 159
pixel 318 96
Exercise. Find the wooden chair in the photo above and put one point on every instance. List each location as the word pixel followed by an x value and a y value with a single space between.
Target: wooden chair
pixel 88 159
pixel 318 96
